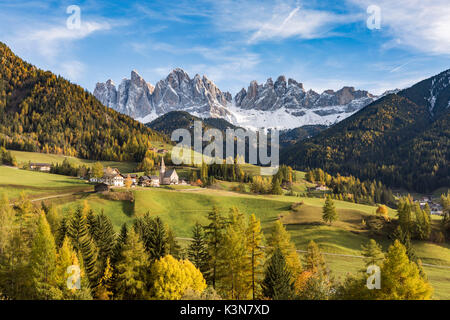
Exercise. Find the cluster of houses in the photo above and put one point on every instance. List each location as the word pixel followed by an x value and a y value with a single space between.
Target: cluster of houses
pixel 435 208
pixel 44 167
pixel 113 178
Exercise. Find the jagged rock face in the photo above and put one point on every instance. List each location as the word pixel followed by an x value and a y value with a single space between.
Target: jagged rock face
pixel 137 98
pixel 292 95
pixel 133 97
pixel 281 104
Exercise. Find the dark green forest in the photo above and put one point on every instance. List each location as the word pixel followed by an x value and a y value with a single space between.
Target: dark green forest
pixel 393 140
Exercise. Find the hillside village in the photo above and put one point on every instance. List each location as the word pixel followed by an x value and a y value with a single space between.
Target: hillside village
pixel 113 178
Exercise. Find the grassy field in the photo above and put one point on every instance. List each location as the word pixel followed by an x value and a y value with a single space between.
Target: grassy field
pixel 24 157
pixel 182 206
pixel 37 184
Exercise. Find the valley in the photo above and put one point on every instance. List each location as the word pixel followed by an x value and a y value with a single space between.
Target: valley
pixel 182 207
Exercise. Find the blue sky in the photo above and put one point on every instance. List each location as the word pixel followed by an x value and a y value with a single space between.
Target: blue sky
pixel 324 44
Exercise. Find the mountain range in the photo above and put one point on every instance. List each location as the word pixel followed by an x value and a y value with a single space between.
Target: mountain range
pixel 283 104
pixel 402 139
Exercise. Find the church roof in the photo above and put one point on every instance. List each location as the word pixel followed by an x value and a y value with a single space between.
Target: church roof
pixel 168 173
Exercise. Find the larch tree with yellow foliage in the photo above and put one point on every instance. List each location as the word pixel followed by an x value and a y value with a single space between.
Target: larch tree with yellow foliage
pixel 255 252
pixel 172 278
pixel 43 262
pixel 133 269
pixel 234 266
pixel 281 239
pixel 401 278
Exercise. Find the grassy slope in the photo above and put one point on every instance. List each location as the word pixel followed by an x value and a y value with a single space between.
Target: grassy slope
pixel 183 207
pixel 24 157
pixel 37 184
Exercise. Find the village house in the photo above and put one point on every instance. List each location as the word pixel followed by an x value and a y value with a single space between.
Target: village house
pixel 111 177
pixel 149 181
pixel 133 177
pixel 321 188
pixel 41 166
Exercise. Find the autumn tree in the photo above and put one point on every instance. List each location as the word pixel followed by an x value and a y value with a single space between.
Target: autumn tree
pixel 401 278
pixel 373 255
pixel 280 239
pixel 233 265
pixel 97 170
pixel 133 269
pixel 171 278
pixel 255 252
pixel 43 263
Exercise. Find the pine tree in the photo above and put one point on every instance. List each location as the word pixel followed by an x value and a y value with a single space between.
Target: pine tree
pixel 103 289
pixel 277 283
pixel 132 269
pixel 329 211
pixel 153 233
pixel 405 239
pixel 255 252
pixel 78 231
pixel 214 235
pixel 43 262
pixel 280 238
pixel 372 253
pixel 105 240
pixel 276 188
pixel 198 249
pixel 174 248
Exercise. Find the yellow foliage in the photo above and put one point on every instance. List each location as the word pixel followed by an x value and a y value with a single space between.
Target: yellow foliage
pixel 172 278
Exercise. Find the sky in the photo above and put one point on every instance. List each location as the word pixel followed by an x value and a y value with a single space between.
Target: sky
pixel 371 45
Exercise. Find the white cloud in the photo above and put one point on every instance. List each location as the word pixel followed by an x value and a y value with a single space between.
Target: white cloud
pixel 278 20
pixel 423 25
pixel 49 40
pixel 72 70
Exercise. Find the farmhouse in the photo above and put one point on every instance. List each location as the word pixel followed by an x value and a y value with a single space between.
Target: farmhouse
pixel 101 187
pixel 149 181
pixel 40 166
pixel 133 177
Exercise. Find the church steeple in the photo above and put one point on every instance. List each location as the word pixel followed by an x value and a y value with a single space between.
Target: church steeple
pixel 162 170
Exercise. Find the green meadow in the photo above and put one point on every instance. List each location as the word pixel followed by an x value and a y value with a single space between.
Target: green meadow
pixel 13 181
pixel 182 206
pixel 23 157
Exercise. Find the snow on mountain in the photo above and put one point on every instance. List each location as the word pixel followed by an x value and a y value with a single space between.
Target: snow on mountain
pixel 281 104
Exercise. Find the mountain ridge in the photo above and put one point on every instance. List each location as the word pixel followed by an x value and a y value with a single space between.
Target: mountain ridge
pixel 397 139
pixel 285 101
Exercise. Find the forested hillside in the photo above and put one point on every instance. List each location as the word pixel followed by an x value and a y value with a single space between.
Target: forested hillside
pixel 399 141
pixel 43 112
